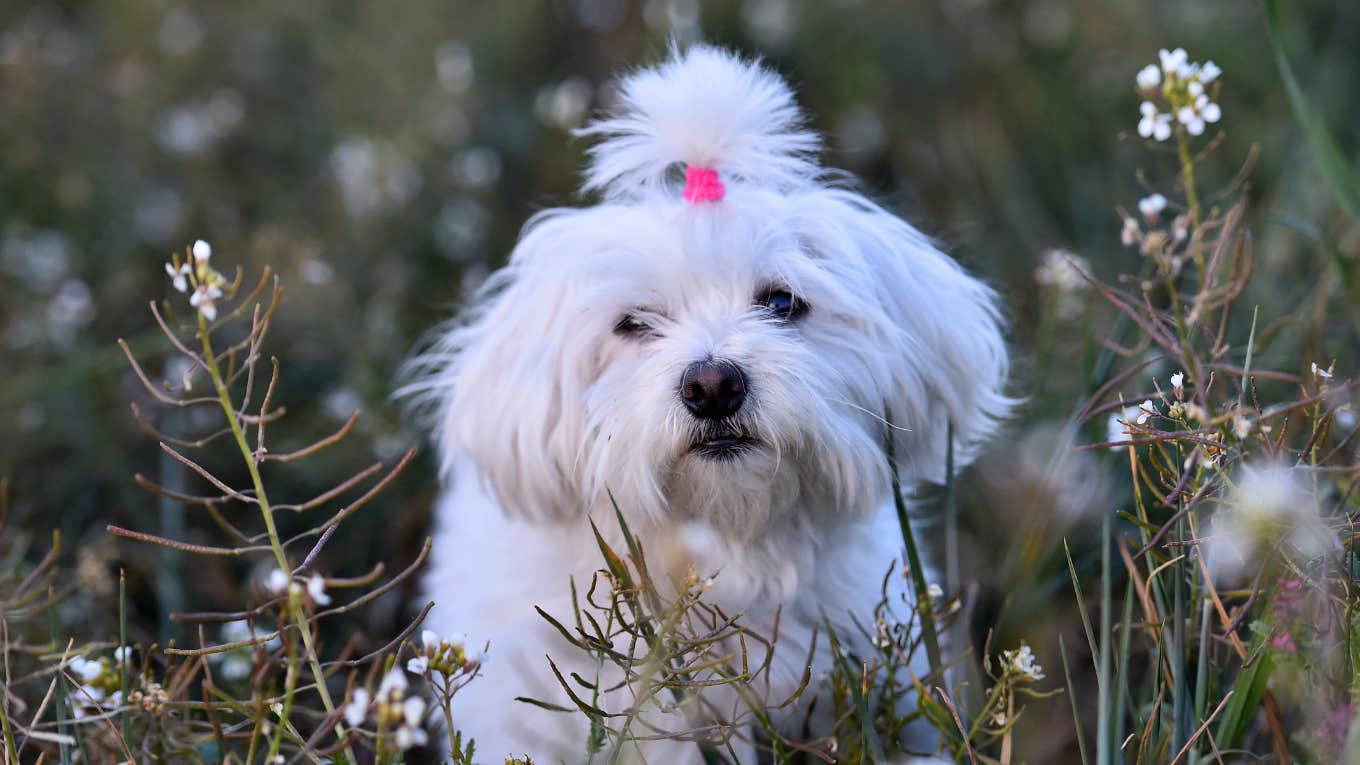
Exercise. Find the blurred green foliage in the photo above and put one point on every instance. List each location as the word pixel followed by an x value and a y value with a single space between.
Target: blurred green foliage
pixel 382 157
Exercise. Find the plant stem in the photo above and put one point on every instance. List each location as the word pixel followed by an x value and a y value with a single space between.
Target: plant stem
pixel 295 613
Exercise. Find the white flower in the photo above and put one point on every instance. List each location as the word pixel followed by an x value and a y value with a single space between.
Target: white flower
pixel 418 665
pixel 1117 426
pixel 1022 661
pixel 1321 374
pixel 1178 384
pixel 277 581
pixel 178 275
pixel 430 640
pixel 1062 270
pixel 316 590
pixel 1130 234
pixel 202 251
pixel 1152 206
pixel 89 670
pixel 1173 62
pixel 412 733
pixel 1149 77
pixel 408 736
pixel 1241 425
pixel 122 653
pixel 1195 116
pixel 934 591
pixel 1154 124
pixel 357 708
pixel 1269 505
pixel 1209 72
pixel 1145 410
pixel 203 298
pixel 393 681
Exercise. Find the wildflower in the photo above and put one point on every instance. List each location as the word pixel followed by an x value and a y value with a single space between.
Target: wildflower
pixel 1173 62
pixel 412 733
pixel 1195 114
pixel 179 275
pixel 1061 270
pixel 356 711
pixel 1152 206
pixel 277 581
pixel 393 685
pixel 1321 374
pixel 1180 228
pixel 1130 233
pixel 1284 642
pixel 203 299
pixel 1241 425
pixel 202 251
pixel 1178 384
pixel 1268 506
pixel 88 670
pixel 1145 410
pixel 1149 77
pixel 1209 72
pixel 122 654
pixel 934 591
pixel 1154 123
pixel 316 590
pixel 1021 661
pixel 418 665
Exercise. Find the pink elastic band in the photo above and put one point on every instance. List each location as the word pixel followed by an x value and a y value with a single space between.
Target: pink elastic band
pixel 702 185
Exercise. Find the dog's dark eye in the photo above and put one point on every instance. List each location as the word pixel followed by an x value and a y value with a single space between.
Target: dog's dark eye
pixel 631 326
pixel 782 304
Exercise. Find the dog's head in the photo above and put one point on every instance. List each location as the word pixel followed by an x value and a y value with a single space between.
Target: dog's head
pixel 724 337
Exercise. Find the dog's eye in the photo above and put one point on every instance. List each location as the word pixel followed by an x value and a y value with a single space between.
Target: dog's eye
pixel 631 326
pixel 782 304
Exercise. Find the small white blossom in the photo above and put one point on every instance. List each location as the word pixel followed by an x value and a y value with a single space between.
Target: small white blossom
pixel 202 251
pixel 1173 62
pixel 1145 410
pixel 178 276
pixel 277 581
pixel 88 670
pixel 430 640
pixel 413 710
pixel 1061 270
pixel 393 682
pixel 356 711
pixel 1151 206
pixel 1149 77
pixel 1241 425
pixel 1321 374
pixel 1178 384
pixel 418 665
pixel 1131 233
pixel 1154 124
pixel 204 300
pixel 122 654
pixel 1021 660
pixel 1209 72
pixel 934 591
pixel 1268 505
pixel 316 590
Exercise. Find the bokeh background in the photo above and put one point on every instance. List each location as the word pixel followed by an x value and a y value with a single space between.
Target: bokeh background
pixel 382 157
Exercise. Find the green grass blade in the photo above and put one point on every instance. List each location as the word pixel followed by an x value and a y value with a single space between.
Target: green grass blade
pixel 1072 696
pixel 1336 171
pixel 1248 689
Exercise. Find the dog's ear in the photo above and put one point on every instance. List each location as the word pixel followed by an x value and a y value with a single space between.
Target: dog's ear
pixel 504 380
pixel 939 330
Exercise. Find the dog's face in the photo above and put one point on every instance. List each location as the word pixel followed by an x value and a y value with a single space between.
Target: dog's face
pixel 735 363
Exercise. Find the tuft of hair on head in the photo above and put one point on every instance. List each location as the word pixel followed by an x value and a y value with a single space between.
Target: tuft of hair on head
pixel 703 107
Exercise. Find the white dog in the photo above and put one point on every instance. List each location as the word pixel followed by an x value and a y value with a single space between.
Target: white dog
pixel 720 351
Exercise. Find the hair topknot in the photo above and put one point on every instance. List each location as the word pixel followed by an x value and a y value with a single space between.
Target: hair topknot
pixel 703 107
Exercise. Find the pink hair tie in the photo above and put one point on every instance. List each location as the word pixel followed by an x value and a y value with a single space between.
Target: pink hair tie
pixel 702 185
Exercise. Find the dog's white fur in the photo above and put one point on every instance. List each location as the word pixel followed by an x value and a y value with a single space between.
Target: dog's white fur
pixel 543 409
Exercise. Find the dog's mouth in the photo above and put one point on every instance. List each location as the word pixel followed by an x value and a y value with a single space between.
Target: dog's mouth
pixel 723 446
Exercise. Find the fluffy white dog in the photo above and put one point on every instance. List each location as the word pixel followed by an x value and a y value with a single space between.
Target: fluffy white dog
pixel 718 343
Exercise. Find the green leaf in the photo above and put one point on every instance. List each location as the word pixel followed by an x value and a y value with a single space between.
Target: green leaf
pixel 1247 692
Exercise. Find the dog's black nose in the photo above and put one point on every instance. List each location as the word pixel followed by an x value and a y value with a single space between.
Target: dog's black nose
pixel 713 390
